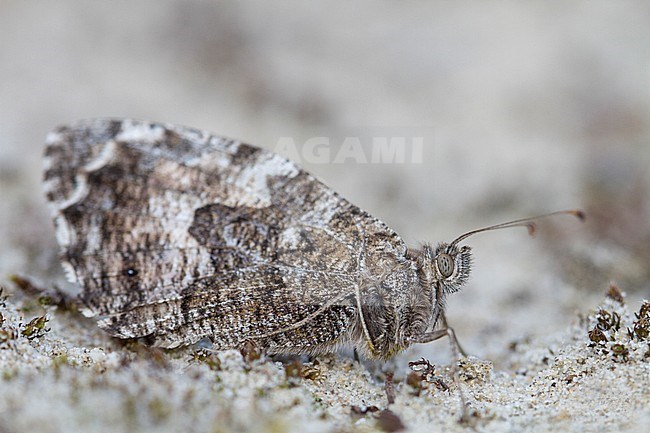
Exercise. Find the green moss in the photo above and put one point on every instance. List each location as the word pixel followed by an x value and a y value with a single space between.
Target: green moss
pixel 9 374
pixel 210 359
pixel 641 326
pixel 35 328
pixel 158 409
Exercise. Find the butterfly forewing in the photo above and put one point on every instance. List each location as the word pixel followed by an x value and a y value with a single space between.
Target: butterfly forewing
pixel 176 234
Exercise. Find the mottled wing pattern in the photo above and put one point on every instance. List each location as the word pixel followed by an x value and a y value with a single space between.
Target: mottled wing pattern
pixel 176 234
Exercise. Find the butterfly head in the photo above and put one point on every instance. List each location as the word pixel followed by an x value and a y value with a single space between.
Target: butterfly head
pixel 449 265
pixel 446 265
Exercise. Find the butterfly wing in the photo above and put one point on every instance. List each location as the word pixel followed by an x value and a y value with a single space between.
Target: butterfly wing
pixel 176 234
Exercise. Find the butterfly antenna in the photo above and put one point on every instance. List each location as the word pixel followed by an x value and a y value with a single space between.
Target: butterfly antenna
pixel 529 223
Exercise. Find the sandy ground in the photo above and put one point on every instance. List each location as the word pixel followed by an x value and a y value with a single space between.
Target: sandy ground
pixel 522 109
pixel 62 374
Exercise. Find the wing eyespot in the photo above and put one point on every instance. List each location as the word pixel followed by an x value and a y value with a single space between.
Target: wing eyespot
pixel 130 272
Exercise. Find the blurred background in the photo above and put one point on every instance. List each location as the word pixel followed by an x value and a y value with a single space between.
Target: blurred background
pixel 522 108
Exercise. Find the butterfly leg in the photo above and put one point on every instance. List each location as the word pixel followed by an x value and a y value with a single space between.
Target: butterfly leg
pixel 355 354
pixel 446 331
pixel 452 335
pixel 456 350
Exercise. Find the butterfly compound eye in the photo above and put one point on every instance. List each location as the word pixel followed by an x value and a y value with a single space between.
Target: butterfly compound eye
pixel 445 265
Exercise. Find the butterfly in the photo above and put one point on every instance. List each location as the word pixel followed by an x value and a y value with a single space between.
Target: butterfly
pixel 178 235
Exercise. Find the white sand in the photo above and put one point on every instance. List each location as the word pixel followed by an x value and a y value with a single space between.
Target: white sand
pixel 54 383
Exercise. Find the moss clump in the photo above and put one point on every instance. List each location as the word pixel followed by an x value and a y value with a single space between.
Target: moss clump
pixel 36 328
pixel 608 334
